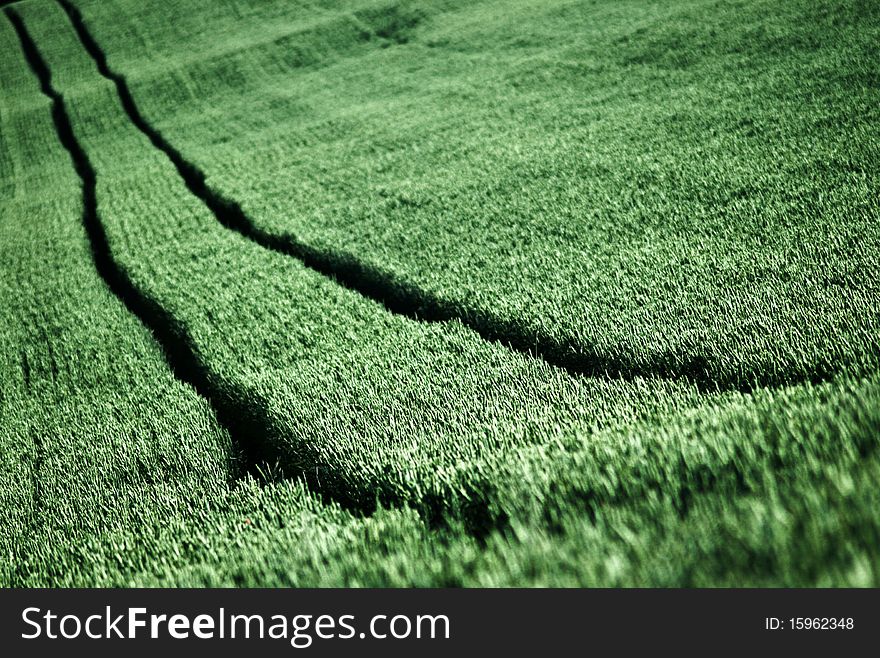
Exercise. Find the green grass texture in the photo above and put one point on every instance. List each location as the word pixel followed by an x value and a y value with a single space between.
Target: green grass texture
pixel 625 187
pixel 439 294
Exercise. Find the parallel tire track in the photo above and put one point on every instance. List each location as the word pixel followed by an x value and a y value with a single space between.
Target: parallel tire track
pixel 247 427
pixel 172 338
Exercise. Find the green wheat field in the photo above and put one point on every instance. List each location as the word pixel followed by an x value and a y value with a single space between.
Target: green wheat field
pixel 440 293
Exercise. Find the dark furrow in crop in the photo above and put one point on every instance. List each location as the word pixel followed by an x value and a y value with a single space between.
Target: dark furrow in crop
pixel 36 472
pixel 395 294
pixel 171 337
pixel 250 429
pixel 25 370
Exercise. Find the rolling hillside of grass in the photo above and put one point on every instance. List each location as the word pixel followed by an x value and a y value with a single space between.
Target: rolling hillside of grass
pixel 440 293
pixel 636 187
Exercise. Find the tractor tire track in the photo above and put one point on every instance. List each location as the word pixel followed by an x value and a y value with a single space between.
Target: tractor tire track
pixel 248 426
pixel 172 338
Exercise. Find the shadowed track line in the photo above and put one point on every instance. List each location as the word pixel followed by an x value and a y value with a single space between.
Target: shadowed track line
pixel 395 294
pixel 171 337
pixel 249 427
